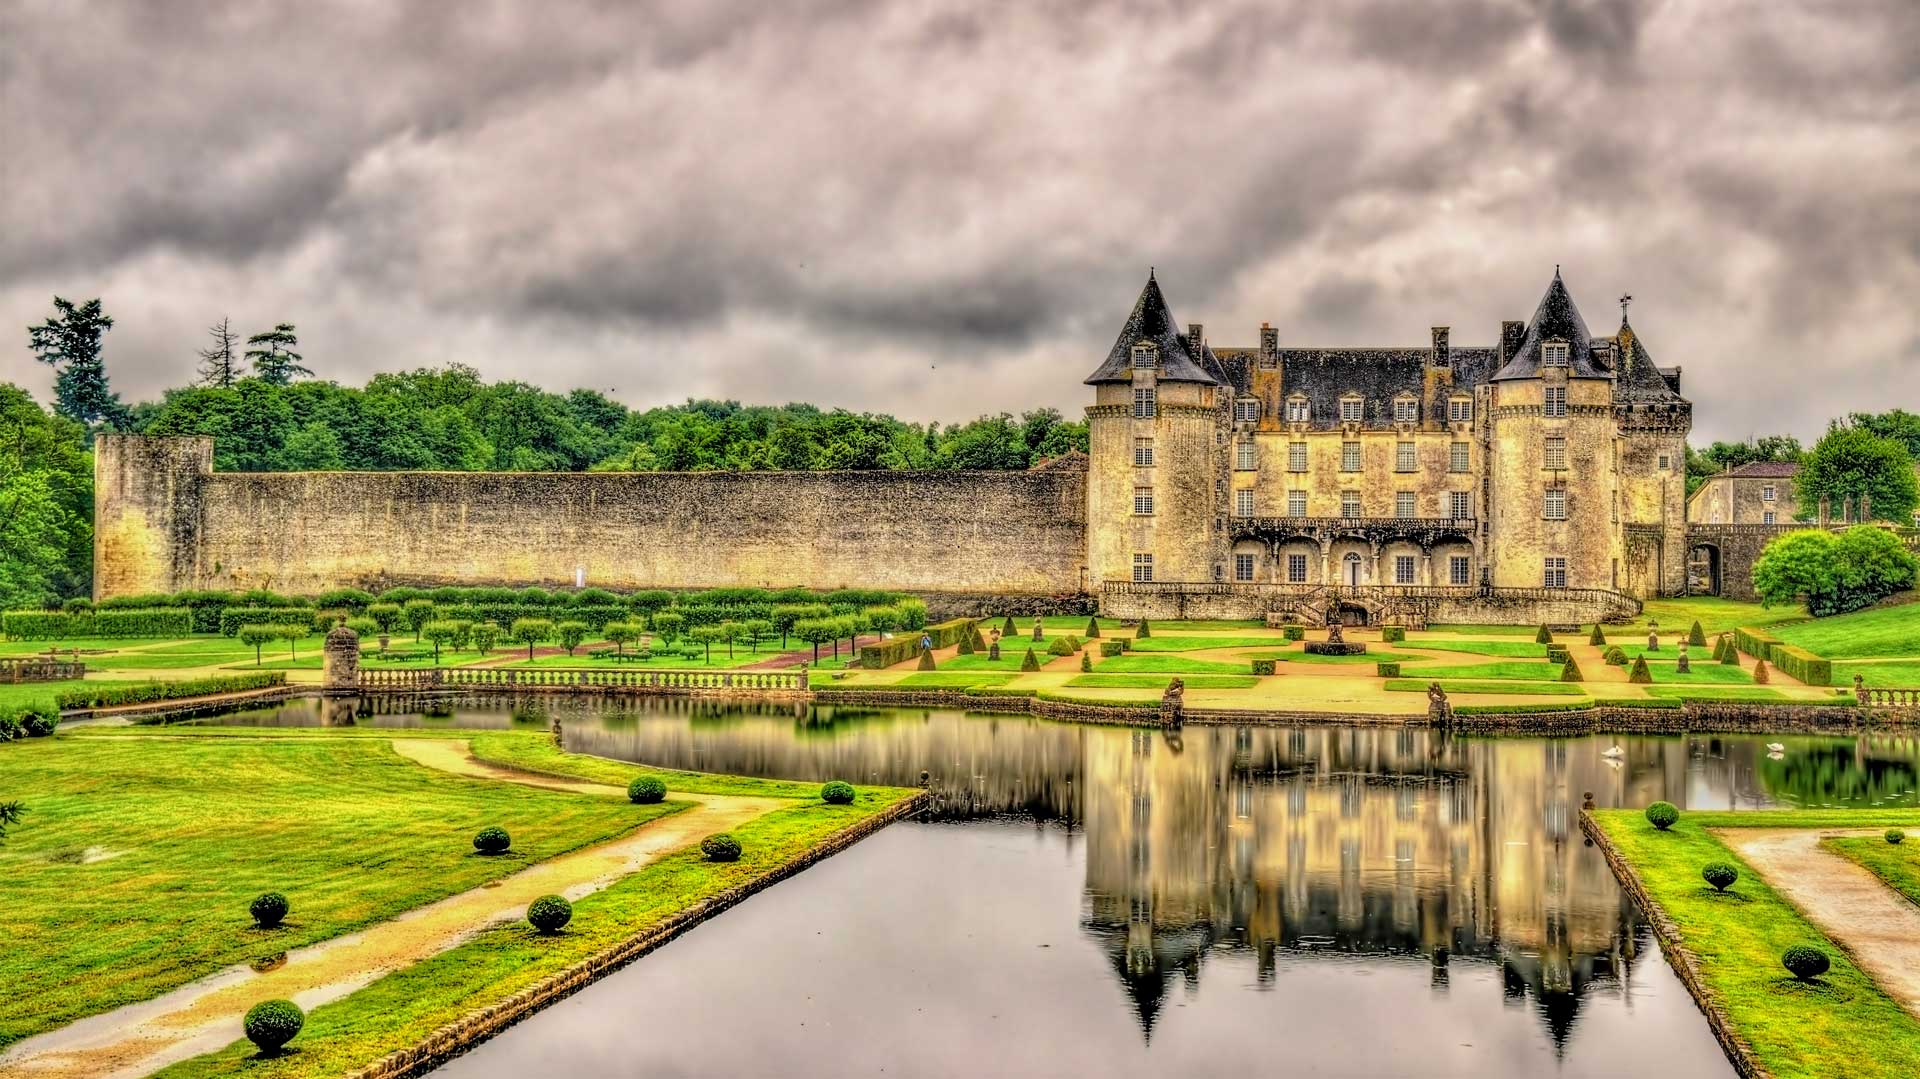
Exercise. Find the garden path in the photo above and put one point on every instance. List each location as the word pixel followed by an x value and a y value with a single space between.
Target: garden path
pixel 141 1038
pixel 1875 924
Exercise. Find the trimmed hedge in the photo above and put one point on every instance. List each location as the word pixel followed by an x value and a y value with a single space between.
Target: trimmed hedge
pixel 1393 634
pixel 1754 641
pixel 1294 633
pixel 1801 664
pixel 1109 649
pixel 646 790
pixel 838 792
pixel 907 645
pixel 1263 666
pixel 1719 874
pixel 109 696
pixel 114 622
pixel 1387 669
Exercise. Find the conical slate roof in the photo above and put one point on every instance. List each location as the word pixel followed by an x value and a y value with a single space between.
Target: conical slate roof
pixel 1639 381
pixel 1555 318
pixel 1151 321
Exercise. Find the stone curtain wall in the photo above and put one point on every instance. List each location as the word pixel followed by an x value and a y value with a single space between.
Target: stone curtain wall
pixel 169 522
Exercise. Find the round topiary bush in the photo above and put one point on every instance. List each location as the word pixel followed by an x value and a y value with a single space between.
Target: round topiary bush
pixel 267 909
pixel 837 793
pixel 1720 875
pixel 720 848
pixel 492 840
pixel 1895 835
pixel 271 1024
pixel 549 913
pixel 1662 815
pixel 646 790
pixel 1805 962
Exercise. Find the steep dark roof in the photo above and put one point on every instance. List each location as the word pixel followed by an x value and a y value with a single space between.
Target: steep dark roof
pixel 1556 317
pixel 1638 379
pixel 1766 470
pixel 1152 321
pixel 1325 375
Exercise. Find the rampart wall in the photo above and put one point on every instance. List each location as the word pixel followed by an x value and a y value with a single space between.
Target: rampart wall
pixel 166 521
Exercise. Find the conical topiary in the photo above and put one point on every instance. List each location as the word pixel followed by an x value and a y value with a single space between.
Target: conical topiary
pixel 1006 628
pixel 1696 636
pixel 1729 652
pixel 1143 632
pixel 1086 662
pixel 1570 671
pixel 1031 662
pixel 1760 672
pixel 966 642
pixel 1545 636
pixel 1596 637
pixel 1639 675
pixel 926 659
pixel 1093 628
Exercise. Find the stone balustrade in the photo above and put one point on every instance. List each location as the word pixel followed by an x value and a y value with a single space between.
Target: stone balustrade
pixel 584 680
pixel 39 669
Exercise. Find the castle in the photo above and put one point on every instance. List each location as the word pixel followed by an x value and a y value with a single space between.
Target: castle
pixel 1541 479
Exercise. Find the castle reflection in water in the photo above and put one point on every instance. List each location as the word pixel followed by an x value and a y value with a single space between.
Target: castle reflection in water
pixel 1292 845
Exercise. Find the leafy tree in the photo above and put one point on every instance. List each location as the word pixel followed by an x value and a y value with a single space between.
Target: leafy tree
pixel 46 504
pixel 816 632
pixel 1721 456
pixel 1833 573
pixel 218 366
pixel 386 614
pixel 276 363
pixel 313 448
pixel 756 630
pixel 571 634
pixel 258 637
pixel 485 634
pixel 730 632
pixel 291 634
pixel 786 614
pixel 705 635
pixel 416 613
pixel 668 625
pixel 69 342
pixel 1897 424
pixel 620 633
pixel 1851 463
pixel 530 631
pixel 438 632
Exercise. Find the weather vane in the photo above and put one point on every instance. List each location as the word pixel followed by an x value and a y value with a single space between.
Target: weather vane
pixel 1625 299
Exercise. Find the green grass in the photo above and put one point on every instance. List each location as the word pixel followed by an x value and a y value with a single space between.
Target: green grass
pixel 1185 625
pixel 1715 615
pixel 1129 663
pixel 1161 681
pixel 1538 689
pixel 1511 649
pixel 27 648
pixel 193 827
pixel 1879 675
pixel 1884 631
pixel 400 1009
pixel 1009 660
pixel 949 680
pixel 1711 693
pixel 1796 1031
pixel 1193 644
pixel 741 657
pixel 1535 671
pixel 1309 657
pixel 1898 864
pixel 530 752
pixel 1482 631
pixel 38 695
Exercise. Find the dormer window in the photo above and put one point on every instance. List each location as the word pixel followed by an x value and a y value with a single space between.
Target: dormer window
pixel 1246 410
pixel 1406 409
pixel 1460 409
pixel 1143 355
pixel 1554 354
pixel 1351 408
pixel 1297 410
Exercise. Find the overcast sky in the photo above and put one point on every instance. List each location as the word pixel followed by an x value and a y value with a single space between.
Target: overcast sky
pixel 943 209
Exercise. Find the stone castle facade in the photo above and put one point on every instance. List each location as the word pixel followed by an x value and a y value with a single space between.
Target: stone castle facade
pixel 1552 461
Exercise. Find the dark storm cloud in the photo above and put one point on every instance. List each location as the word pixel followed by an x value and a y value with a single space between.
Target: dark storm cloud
pixel 947 208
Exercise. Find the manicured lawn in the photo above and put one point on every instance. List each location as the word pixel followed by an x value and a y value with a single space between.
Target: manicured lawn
pixel 741 657
pixel 1898 864
pixel 131 872
pixel 1884 631
pixel 1881 675
pixel 1712 693
pixel 36 695
pixel 1194 644
pixel 1539 689
pixel 1532 671
pixel 1129 663
pixel 1841 1024
pixel 1714 614
pixel 402 1008
pixel 1483 631
pixel 1189 625
pixel 1514 649
pixel 1309 657
pixel 1009 660
pixel 951 679
pixel 1161 681
pixel 27 648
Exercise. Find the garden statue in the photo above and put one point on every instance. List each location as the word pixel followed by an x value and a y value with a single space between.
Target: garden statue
pixel 1037 635
pixel 1653 640
pixel 1586 800
pixel 1334 635
pixel 1859 689
pixel 993 650
pixel 1680 665
pixel 1439 712
pixel 1172 703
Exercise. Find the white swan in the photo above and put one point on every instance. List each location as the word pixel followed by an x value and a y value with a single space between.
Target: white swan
pixel 1616 751
pixel 1775 747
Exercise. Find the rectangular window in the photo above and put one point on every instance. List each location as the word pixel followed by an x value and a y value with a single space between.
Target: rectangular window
pixel 1243 456
pixel 1296 457
pixel 1296 503
pixel 1350 409
pixel 1143 567
pixel 1143 453
pixel 1403 504
pixel 1243 502
pixel 1555 575
pixel 1246 410
pixel 1143 402
pixel 1349 503
pixel 1459 457
pixel 1243 567
pixel 1665 462
pixel 1406 410
pixel 1297 410
pixel 1458 569
pixel 1556 401
pixel 1460 410
pixel 1403 457
pixel 1766 493
pixel 1554 353
pixel 1403 569
pixel 1143 355
pixel 1460 505
pixel 1555 508
pixel 1349 456
pixel 1555 456
pixel 1767 518
pixel 1143 501
pixel 1296 569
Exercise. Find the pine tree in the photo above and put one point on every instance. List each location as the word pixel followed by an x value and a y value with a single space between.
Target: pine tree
pixel 69 342
pixel 218 365
pixel 277 363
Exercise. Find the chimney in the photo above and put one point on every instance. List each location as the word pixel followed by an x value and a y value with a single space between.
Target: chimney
pixel 1511 334
pixel 1269 346
pixel 1441 356
pixel 1193 340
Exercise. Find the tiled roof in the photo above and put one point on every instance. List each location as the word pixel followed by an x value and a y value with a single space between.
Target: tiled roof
pixel 1152 321
pixel 1555 318
pixel 1767 470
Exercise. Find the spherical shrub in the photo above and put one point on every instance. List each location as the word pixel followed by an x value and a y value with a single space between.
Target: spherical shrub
pixel 267 909
pixel 549 913
pixel 1895 835
pixel 1805 962
pixel 720 848
pixel 646 790
pixel 271 1024
pixel 1662 815
pixel 1720 875
pixel 837 793
pixel 492 840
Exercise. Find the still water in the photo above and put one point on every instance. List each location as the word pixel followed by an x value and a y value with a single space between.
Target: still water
pixel 1097 900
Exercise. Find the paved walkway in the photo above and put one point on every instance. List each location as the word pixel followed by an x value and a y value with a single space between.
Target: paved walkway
pixel 205 1015
pixel 1879 926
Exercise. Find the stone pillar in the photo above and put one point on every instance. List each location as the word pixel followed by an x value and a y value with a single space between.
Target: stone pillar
pixel 341 665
